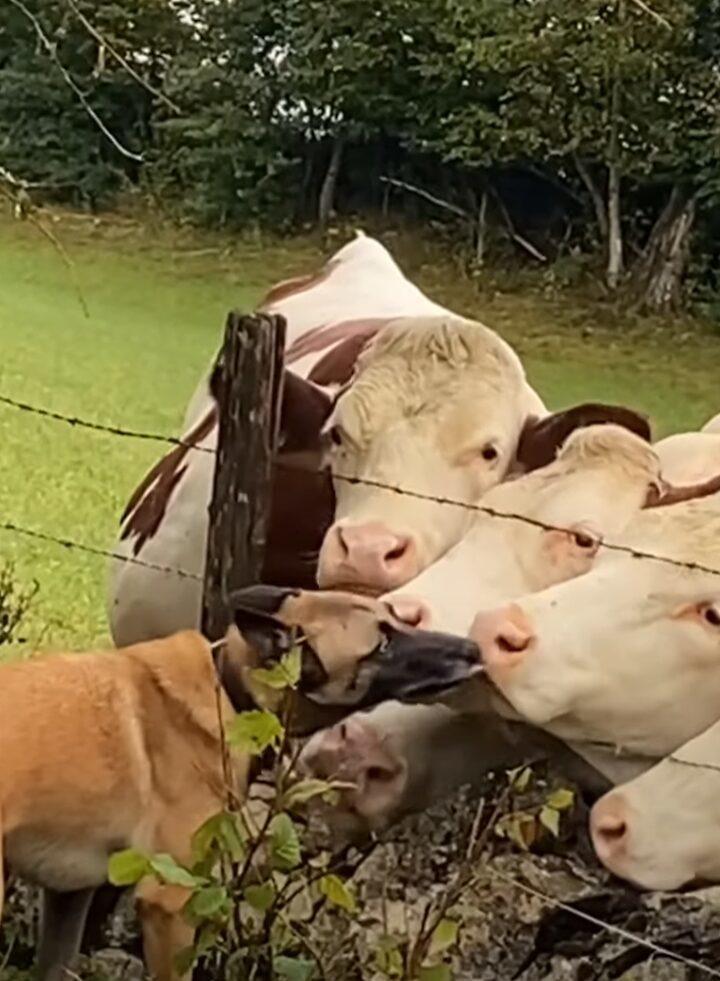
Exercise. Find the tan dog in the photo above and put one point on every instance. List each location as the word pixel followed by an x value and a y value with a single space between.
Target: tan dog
pixel 105 751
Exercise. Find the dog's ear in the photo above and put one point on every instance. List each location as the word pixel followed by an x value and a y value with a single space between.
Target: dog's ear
pixel 256 614
pixel 258 603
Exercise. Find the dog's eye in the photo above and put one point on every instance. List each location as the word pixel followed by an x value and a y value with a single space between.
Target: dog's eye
pixel 335 435
pixel 711 615
pixel 489 452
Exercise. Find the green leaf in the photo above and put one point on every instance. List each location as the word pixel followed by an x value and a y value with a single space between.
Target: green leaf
pixel 284 674
pixel 388 957
pixel 261 897
pixel 337 892
pixel 305 790
pixel 166 868
pixel 550 819
pixel 221 831
pixel 438 972
pixel 561 799
pixel 209 903
pixel 284 842
pixel 293 968
pixel 520 778
pixel 254 731
pixel 444 936
pixel 127 867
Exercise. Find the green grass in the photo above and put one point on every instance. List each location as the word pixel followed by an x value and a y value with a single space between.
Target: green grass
pixel 157 300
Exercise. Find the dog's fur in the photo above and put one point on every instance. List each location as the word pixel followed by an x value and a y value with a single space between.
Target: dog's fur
pixel 112 750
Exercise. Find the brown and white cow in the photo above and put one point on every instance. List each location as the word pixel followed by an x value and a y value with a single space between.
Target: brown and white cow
pixel 401 758
pixel 662 829
pixel 424 400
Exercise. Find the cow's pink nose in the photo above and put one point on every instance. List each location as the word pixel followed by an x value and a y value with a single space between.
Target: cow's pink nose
pixel 371 556
pixel 503 636
pixel 609 827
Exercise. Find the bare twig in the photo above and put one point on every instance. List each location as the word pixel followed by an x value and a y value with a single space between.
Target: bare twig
pixel 512 232
pixel 51 49
pixel 425 194
pixel 119 58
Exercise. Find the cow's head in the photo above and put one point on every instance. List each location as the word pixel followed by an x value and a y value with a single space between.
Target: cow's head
pixel 436 408
pixel 662 829
pixel 628 654
pixel 542 528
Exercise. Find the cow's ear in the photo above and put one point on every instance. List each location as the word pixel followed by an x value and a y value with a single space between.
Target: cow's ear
pixel 541 439
pixel 303 413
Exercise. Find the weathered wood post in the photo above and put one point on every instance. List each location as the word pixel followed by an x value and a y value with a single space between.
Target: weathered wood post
pixel 247 383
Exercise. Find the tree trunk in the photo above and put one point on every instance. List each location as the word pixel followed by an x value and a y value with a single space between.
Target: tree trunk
pixel 615 239
pixel 481 230
pixel 326 201
pixel 659 274
pixel 597 199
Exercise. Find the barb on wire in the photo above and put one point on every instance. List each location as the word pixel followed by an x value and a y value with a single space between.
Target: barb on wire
pixel 608 927
pixel 635 553
pixel 68 543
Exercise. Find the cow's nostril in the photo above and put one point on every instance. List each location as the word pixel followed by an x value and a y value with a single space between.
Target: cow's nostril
pixel 379 773
pixel 612 829
pixel 512 643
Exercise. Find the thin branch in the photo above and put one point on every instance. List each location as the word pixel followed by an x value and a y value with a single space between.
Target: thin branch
pixel 425 194
pixel 70 81
pixel 653 13
pixel 512 232
pixel 119 58
pixel 26 210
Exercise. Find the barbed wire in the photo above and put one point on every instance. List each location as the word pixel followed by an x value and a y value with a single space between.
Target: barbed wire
pixel 596 921
pixel 492 512
pixel 70 544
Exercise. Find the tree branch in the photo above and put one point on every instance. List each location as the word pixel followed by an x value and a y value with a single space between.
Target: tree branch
pixel 123 62
pixel 70 81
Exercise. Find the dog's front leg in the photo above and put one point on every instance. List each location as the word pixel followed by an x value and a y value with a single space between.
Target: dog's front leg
pixel 62 922
pixel 165 930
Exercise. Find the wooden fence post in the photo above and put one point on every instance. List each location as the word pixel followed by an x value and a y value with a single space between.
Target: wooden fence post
pixel 248 387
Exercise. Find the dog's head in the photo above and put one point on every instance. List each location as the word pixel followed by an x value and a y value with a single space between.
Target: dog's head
pixel 354 651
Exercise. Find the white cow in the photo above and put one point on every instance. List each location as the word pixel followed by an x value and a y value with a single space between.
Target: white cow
pixel 627 655
pixel 662 829
pixel 401 758
pixel 428 401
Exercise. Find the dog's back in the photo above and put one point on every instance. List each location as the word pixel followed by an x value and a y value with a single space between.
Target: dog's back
pixel 91 747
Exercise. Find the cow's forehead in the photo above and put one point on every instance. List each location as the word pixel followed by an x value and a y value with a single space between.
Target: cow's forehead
pixel 687 533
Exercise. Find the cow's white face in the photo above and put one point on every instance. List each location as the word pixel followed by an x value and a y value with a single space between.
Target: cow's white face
pixel 627 654
pixel 436 407
pixel 598 482
pixel 662 830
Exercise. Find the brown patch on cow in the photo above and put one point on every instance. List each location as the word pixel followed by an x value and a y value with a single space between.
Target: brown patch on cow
pixel 303 413
pixel 148 504
pixel 302 502
pixel 302 509
pixel 541 439
pixel 298 284
pixel 337 366
pixel 323 337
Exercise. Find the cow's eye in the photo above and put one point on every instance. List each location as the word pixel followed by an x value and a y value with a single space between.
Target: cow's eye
pixel 489 452
pixel 585 541
pixel 335 434
pixel 711 615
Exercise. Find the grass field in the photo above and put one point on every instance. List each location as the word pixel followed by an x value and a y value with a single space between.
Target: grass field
pixel 156 304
